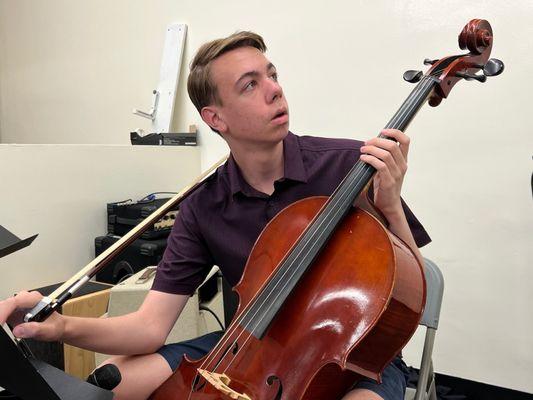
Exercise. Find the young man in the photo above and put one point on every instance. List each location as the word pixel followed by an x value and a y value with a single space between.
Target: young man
pixel 235 88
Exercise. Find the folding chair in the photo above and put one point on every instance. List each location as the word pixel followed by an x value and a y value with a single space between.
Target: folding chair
pixel 430 319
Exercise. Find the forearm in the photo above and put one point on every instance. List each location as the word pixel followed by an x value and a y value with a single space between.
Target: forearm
pixel 399 226
pixel 128 334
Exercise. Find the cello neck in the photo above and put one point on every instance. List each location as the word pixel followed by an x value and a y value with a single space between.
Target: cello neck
pixel 361 173
pixel 412 104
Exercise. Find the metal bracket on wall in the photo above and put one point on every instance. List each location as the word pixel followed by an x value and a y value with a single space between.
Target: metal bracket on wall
pixel 164 96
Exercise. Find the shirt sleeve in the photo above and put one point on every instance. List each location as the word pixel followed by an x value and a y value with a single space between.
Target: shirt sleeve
pixel 419 233
pixel 186 260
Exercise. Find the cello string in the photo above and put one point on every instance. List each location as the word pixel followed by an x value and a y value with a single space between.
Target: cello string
pixel 408 107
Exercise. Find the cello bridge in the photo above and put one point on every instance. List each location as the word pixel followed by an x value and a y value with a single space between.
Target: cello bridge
pixel 221 383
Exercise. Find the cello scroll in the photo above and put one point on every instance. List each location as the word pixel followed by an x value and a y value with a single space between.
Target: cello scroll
pixel 476 37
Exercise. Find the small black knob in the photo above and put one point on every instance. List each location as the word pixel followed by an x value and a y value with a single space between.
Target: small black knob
pixel 493 67
pixel 412 76
pixel 479 78
pixel 427 61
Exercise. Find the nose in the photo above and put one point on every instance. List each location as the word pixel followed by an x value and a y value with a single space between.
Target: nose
pixel 274 91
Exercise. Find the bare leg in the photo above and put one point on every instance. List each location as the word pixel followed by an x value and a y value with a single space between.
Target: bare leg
pixel 361 394
pixel 141 375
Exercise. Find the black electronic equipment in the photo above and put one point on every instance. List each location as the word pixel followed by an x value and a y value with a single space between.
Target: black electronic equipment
pixel 164 139
pixel 124 216
pixel 139 255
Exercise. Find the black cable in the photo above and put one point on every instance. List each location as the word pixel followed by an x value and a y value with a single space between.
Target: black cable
pixel 204 308
pixel 124 278
pixel 151 197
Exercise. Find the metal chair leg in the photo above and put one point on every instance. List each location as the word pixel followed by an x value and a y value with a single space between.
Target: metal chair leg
pixel 426 365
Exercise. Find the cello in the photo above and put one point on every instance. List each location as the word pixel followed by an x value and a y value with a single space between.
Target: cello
pixel 328 294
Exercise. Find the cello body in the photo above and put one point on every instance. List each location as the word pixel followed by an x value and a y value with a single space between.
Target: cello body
pixel 359 303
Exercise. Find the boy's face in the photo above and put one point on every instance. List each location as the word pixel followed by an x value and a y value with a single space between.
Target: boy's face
pixel 254 109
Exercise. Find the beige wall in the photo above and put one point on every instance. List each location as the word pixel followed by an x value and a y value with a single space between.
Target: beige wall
pixel 70 71
pixel 61 191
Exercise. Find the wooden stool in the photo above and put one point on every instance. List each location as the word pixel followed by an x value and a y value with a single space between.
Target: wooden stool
pixel 78 362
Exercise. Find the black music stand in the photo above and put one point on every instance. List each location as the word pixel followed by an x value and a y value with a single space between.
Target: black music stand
pixel 10 243
pixel 27 377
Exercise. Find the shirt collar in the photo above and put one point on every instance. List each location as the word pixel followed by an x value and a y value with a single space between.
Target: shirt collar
pixel 293 168
pixel 292 158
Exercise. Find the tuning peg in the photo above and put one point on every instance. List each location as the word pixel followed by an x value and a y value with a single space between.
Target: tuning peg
pixel 479 78
pixel 493 67
pixel 427 61
pixel 412 76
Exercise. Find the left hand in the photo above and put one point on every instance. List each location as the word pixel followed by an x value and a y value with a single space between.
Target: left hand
pixel 389 158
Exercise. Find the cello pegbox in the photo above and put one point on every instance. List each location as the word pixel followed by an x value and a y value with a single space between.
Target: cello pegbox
pixel 476 37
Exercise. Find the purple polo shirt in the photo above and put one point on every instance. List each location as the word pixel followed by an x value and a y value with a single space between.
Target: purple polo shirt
pixel 219 223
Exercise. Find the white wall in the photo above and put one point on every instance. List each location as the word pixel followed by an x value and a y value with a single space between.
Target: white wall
pixel 71 71
pixel 61 191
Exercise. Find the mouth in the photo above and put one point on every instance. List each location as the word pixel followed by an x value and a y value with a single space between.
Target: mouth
pixel 281 116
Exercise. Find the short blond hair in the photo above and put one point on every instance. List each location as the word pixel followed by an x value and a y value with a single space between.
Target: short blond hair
pixel 201 89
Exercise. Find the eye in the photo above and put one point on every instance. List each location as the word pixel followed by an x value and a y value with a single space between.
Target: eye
pixel 250 85
pixel 274 76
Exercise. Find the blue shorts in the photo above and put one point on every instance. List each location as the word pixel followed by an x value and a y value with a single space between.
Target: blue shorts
pixel 194 348
pixel 393 381
pixel 394 376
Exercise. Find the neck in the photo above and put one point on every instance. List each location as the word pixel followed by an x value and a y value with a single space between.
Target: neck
pixel 260 166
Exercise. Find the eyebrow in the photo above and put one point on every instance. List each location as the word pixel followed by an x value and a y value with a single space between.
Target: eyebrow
pixel 253 74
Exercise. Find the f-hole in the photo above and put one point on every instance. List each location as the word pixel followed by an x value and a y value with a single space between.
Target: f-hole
pixel 196 381
pixel 198 384
pixel 270 381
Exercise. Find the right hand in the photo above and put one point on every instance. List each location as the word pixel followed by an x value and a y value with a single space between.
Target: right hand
pixel 13 309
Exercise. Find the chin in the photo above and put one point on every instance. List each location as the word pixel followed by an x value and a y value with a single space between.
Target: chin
pixel 282 130
pixel 278 135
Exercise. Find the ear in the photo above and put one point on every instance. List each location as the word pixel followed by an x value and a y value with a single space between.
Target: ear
pixel 211 117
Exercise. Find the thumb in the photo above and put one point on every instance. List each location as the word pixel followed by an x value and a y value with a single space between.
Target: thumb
pixel 28 330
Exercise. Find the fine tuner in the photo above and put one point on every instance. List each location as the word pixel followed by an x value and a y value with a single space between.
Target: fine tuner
pixel 492 67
